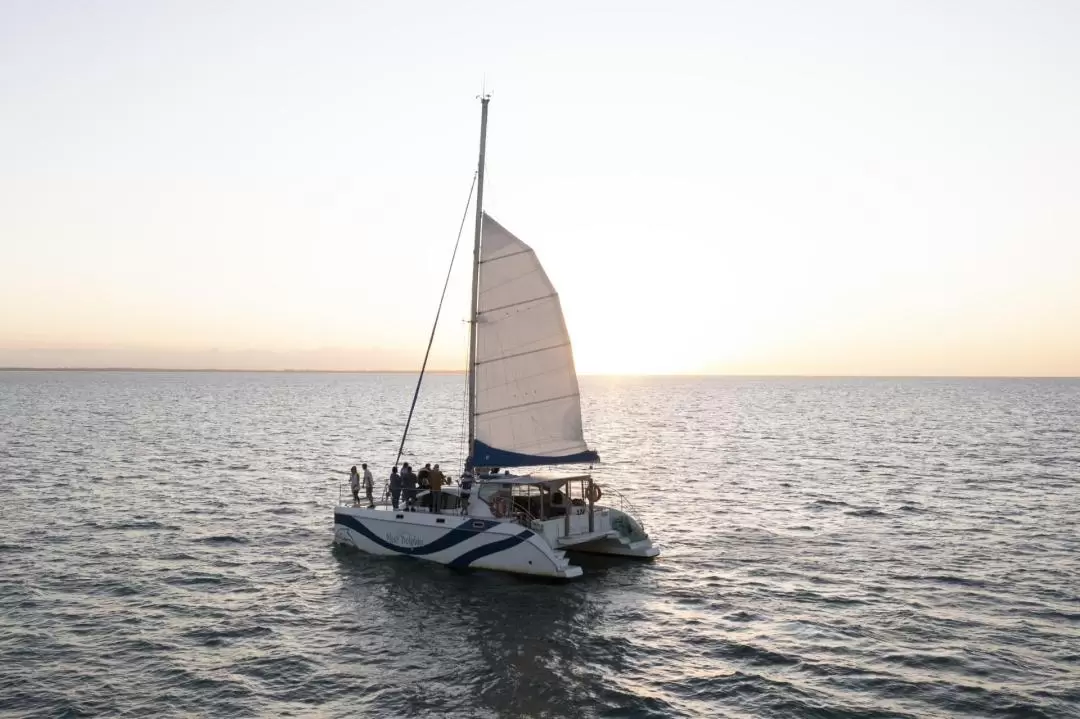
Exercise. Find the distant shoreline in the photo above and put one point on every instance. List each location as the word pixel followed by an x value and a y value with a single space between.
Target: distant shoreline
pixel 462 372
pixel 201 369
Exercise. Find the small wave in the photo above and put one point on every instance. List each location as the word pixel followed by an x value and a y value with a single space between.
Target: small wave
pixel 284 510
pixel 140 526
pixel 725 687
pixel 1057 616
pixel 271 667
pixel 831 503
pixel 143 646
pixel 940 578
pixel 221 562
pixel 222 539
pixel 218 636
pixel 866 512
pixel 121 589
pixel 177 557
pixel 805 595
pixel 922 660
pixel 755 656
pixel 196 580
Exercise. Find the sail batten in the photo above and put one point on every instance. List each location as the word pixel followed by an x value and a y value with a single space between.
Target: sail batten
pixel 530 404
pixel 517 304
pixel 527 250
pixel 527 408
pixel 529 352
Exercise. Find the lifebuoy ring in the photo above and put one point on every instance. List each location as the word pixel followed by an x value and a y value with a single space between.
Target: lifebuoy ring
pixel 595 493
pixel 500 507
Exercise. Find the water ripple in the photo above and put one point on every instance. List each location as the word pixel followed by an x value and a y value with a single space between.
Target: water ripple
pixel 832 548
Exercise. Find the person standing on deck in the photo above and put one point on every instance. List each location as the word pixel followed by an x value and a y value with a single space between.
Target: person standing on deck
pixel 354 484
pixel 435 479
pixel 369 486
pixel 408 479
pixel 422 481
pixel 395 487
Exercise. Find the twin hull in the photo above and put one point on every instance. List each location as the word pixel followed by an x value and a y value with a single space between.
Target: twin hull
pixel 453 540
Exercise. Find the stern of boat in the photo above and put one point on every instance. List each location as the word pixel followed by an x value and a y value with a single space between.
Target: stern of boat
pixel 626 539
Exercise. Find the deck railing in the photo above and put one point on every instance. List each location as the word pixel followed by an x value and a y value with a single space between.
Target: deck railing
pixel 620 502
pixel 523 517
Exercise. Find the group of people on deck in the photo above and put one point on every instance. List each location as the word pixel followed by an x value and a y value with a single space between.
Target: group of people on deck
pixel 409 483
pixel 405 484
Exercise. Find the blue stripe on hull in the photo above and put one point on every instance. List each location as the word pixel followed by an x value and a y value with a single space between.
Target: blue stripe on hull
pixel 471 556
pixel 455 536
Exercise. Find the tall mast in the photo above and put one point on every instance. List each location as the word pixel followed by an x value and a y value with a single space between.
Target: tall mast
pixel 471 449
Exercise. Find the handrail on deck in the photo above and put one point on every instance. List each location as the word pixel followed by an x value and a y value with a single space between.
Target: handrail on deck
pixel 624 504
pixel 528 517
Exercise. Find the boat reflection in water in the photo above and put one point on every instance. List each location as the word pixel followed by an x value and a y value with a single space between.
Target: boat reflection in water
pixel 509 645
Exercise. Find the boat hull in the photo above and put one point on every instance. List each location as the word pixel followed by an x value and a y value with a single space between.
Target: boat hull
pixel 456 541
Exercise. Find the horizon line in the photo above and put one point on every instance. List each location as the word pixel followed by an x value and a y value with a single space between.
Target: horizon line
pixel 581 374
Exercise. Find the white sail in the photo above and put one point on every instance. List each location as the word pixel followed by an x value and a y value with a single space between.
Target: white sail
pixel 527 409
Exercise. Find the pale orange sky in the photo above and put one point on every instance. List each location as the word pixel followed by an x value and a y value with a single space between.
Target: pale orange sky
pixel 760 188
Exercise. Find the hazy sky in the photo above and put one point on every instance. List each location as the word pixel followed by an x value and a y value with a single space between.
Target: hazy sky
pixel 750 187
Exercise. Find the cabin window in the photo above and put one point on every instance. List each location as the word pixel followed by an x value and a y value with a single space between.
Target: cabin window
pixel 488 492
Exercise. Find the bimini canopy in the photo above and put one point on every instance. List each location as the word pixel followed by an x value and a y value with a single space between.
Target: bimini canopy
pixel 539 478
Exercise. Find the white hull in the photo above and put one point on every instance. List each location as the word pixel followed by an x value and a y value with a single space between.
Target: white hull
pixel 463 541
pixel 457 541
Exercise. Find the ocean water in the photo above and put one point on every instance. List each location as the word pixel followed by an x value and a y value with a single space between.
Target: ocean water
pixel 831 548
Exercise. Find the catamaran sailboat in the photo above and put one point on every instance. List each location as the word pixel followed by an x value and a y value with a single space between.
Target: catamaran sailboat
pixel 524 412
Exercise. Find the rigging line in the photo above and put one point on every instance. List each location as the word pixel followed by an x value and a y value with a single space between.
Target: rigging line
pixel 431 339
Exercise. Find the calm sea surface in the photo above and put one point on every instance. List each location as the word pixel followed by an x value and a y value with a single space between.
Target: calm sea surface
pixel 831 548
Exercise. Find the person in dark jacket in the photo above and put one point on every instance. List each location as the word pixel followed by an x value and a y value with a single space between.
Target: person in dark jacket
pixel 395 487
pixel 408 481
